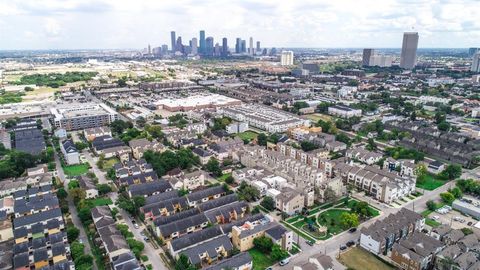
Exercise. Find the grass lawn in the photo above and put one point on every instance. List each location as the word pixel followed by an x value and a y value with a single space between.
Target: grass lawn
pixel 247 135
pixel 318 116
pixel 223 177
pixel 432 223
pixel 76 170
pixel 260 259
pixel 360 259
pixel 429 182
pixel 328 216
pixel 108 163
pixel 101 201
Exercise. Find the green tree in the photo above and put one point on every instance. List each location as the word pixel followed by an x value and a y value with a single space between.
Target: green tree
pixel 447 197
pixel 263 243
pixel 72 233
pixel 183 263
pixel 371 145
pixel 76 249
pixel 247 192
pixel 268 203
pixel 262 139
pixel 308 146
pixel 278 253
pixel 85 215
pixel 452 171
pixel 81 145
pixel 443 126
pixel 61 193
pixel 213 166
pixel 103 188
pixel 229 180
pixel 431 205
pixel 349 220
pixel 456 192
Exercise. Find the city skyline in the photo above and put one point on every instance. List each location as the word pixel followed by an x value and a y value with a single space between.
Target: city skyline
pixel 108 24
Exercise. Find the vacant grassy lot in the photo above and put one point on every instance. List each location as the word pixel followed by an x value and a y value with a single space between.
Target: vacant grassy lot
pixel 360 259
pixel 223 177
pixel 76 170
pixel 108 163
pixel 260 260
pixel 429 182
pixel 101 201
pixel 247 135
pixel 318 116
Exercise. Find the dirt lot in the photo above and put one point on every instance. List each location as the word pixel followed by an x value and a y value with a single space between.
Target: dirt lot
pixel 360 259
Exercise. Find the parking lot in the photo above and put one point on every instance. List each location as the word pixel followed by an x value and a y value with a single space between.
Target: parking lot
pixel 455 218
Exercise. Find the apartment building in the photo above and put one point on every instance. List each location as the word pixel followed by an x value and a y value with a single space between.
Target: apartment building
pixel 91 133
pixel 76 116
pixel 383 185
pixel 380 237
pixel 139 146
pixel 243 235
pixel 264 117
pixel 344 111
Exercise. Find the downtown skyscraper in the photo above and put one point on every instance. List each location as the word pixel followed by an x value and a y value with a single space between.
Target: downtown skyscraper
pixel 224 46
pixel 173 40
pixel 202 42
pixel 408 58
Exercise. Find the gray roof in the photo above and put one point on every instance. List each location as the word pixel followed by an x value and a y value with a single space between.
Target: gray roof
pixel 181 225
pixel 209 247
pixel 161 196
pixel 195 238
pixel 38 217
pixel 199 195
pixel 276 232
pixel 232 262
pixel 223 212
pixel 218 202
pixel 149 188
pixel 162 220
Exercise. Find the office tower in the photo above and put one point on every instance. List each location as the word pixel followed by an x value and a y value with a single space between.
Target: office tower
pixel 224 46
pixel 476 63
pixel 250 47
pixel 173 39
pixel 367 54
pixel 179 46
pixel 258 46
pixel 473 51
pixel 202 41
pixel 194 46
pixel 238 45
pixel 380 61
pixel 164 48
pixel 217 50
pixel 265 51
pixel 209 46
pixel 273 51
pixel 149 49
pixel 286 58
pixel 408 58
pixel 243 47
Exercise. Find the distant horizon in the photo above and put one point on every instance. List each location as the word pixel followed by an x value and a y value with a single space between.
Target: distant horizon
pixel 74 24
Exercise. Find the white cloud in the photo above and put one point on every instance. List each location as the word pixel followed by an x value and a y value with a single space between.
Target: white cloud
pixel 307 23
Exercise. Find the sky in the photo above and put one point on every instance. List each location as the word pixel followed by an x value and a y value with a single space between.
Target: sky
pixel 122 24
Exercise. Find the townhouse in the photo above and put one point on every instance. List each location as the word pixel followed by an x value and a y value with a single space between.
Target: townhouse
pixel 70 152
pixel 201 196
pixel 380 237
pixel 189 181
pixel 130 172
pixel 149 188
pixel 363 155
pixel 140 146
pixel 111 147
pixel 381 184
pixel 416 252
pixel 87 184
pixel 111 241
pixel 91 133
pixel 38 231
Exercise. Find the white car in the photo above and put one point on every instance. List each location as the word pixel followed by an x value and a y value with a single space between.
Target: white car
pixel 136 226
pixel 435 217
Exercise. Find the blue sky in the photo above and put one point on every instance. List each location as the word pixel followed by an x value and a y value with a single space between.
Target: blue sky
pixel 84 24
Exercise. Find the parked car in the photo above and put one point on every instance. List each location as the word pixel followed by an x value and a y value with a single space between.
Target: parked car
pixel 310 243
pixel 352 230
pixel 469 223
pixel 284 262
pixel 435 217
pixel 146 239
pixel 136 226
pixel 350 243
pixel 343 247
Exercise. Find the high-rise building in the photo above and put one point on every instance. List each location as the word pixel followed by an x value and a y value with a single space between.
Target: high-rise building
pixel 164 48
pixel 380 60
pixel 217 50
pixel 238 45
pixel 243 48
pixel 202 41
pixel 408 58
pixel 149 49
pixel 476 63
pixel 473 51
pixel 224 46
pixel 179 45
pixel 367 53
pixel 250 47
pixel 194 46
pixel 286 58
pixel 209 46
pixel 258 47
pixel 173 40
